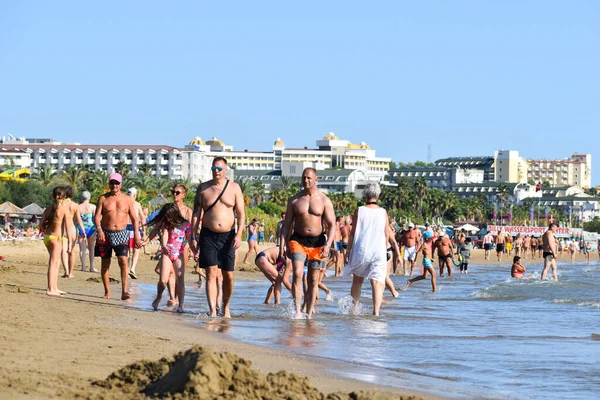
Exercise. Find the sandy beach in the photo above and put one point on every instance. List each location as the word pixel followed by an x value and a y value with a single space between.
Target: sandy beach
pixel 55 347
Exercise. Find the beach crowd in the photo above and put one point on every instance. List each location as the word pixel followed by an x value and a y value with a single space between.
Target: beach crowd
pixel 309 239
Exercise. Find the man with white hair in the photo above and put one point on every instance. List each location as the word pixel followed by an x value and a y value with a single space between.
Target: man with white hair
pixel 443 245
pixel 134 251
pixel 409 240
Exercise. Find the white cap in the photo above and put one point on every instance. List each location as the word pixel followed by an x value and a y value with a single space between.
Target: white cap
pixel 441 233
pixel 132 191
pixel 411 225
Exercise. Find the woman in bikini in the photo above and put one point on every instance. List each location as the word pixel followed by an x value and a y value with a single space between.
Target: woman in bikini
pixel 52 223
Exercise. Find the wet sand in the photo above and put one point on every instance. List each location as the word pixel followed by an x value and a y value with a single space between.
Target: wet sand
pixel 54 347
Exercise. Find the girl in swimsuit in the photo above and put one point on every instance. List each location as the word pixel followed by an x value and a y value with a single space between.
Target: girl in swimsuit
pixel 174 235
pixel 252 239
pixel 52 222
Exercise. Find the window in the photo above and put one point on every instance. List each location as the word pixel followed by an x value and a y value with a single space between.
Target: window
pixel 292 169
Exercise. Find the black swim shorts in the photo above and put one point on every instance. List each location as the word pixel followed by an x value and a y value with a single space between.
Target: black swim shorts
pixel 114 240
pixel 215 249
pixel 547 253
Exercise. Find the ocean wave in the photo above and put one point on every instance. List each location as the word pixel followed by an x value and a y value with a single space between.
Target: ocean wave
pixel 578 302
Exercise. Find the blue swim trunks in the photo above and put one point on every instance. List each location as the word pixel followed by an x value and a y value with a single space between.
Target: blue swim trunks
pixel 427 263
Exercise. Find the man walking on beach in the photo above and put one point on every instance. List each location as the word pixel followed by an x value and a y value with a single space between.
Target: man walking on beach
pixel 111 222
pixel 308 212
pixel 443 245
pixel 550 249
pixel 500 245
pixel 409 241
pixel 217 204
pixel 487 244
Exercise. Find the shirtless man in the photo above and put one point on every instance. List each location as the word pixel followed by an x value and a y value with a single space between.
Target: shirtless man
pixel 500 242
pixel 443 245
pixel 550 251
pixel 217 204
pixel 526 245
pixel 339 256
pixel 533 246
pixel 345 231
pixel 487 245
pixel 409 241
pixel 135 252
pixel 111 223
pixel 308 212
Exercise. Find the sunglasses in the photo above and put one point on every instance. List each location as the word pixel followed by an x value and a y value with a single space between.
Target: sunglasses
pixel 213 168
pixel 114 182
pixel 175 192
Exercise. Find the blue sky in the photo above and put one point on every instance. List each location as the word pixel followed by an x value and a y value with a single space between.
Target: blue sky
pixel 469 77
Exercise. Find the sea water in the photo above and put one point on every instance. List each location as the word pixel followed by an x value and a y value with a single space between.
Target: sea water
pixel 482 335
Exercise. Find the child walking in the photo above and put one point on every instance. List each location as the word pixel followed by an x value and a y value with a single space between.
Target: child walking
pixel 464 251
pixel 174 233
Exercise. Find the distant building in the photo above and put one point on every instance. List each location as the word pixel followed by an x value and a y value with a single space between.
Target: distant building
pixel 484 164
pixel 331 152
pixel 574 171
pixel 329 181
pixel 193 162
pixel 165 161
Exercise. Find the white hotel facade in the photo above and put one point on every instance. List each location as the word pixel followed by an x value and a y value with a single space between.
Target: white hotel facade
pixel 193 161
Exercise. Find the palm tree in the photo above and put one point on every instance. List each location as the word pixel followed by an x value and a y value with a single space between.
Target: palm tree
pixel 145 169
pixel 259 192
pixel 75 176
pixel 98 182
pixel 247 187
pixel 162 185
pixel 122 168
pixel 287 184
pixel 46 175
pixel 421 186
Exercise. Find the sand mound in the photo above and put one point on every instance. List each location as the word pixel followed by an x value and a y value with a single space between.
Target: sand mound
pixel 99 280
pixel 200 373
pixel 4 269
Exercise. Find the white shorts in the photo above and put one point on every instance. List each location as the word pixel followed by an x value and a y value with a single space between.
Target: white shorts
pixel 410 253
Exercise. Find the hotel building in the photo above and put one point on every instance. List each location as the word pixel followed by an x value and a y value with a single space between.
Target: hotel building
pixel 574 171
pixel 331 152
pixel 193 162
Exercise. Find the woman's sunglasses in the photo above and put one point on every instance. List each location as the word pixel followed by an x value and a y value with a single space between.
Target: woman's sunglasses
pixel 175 192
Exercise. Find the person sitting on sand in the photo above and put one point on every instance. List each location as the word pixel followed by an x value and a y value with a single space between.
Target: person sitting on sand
pixel 275 270
pixel 517 270
pixel 175 233
pixel 52 222
pixel 427 261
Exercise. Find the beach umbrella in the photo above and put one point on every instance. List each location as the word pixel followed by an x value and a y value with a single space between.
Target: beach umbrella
pixel 34 209
pixel 11 210
pixel 467 227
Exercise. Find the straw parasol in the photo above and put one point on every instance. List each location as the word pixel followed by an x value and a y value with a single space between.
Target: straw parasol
pixel 34 209
pixel 11 210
